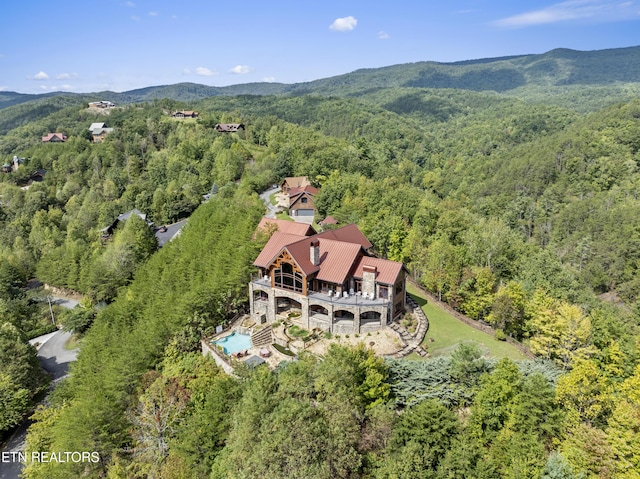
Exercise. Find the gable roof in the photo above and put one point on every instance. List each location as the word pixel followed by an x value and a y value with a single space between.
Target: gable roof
pixel 296 181
pixel 349 234
pixel 95 126
pixel 386 271
pixel 329 220
pixel 284 226
pixel 341 253
pixel 229 127
pixel 100 131
pixel 274 246
pixel 127 215
pixel 296 190
pixel 51 136
pixel 336 258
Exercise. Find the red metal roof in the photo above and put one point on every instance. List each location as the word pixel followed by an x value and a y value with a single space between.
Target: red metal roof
pixel 329 220
pixel 341 254
pixel 50 136
pixel 349 234
pixel 273 247
pixel 387 271
pixel 284 226
pixel 294 191
pixel 336 258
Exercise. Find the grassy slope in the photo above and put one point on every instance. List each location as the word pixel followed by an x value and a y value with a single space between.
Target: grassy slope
pixel 447 332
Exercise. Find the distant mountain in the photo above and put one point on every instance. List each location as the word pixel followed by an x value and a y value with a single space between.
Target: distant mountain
pixel 561 73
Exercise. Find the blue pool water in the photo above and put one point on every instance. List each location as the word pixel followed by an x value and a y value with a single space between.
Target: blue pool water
pixel 234 342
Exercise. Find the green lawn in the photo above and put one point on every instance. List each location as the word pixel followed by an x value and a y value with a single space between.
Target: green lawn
pixel 283 216
pixel 447 332
pixel 272 198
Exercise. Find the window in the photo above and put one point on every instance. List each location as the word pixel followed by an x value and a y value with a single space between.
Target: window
pixel 303 200
pixel 285 277
pixel 383 292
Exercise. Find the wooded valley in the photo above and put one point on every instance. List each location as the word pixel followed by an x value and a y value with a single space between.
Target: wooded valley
pixel 517 212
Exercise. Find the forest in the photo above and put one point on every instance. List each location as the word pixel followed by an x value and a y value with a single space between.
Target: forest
pixel 521 215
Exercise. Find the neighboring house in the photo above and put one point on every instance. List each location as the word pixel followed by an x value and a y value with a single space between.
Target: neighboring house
pixel 101 104
pixel 328 221
pixel 54 138
pixel 185 114
pixel 99 131
pixel 284 226
pixel 301 201
pixel 327 281
pixel 108 231
pixel 37 176
pixel 294 182
pixel 99 134
pixel 229 127
pixel 6 168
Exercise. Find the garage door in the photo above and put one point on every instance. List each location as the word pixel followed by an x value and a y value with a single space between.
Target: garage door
pixel 305 212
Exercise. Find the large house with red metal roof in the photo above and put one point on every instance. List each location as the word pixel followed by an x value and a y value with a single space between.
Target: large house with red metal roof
pixel 327 281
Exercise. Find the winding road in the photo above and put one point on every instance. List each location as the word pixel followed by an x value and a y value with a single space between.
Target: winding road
pixel 55 359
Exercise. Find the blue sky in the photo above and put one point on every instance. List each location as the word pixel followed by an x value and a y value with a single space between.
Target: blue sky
pixel 121 45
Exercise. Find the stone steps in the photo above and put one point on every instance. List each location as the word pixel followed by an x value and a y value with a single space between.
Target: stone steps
pixel 262 337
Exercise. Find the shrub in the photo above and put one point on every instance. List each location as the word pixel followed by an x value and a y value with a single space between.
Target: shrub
pixel 499 335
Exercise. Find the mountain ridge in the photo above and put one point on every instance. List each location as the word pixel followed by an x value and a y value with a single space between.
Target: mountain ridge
pixel 516 75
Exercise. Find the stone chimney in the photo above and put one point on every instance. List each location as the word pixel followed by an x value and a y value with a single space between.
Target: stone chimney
pixel 314 252
pixel 369 279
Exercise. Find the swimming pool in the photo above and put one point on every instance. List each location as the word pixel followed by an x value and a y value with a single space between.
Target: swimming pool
pixel 234 342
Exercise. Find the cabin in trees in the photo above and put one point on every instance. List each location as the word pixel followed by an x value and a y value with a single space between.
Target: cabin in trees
pixel 101 104
pixel 99 131
pixel 327 281
pixel 185 114
pixel 301 201
pixel 229 127
pixel 294 182
pixel 54 138
pixel 108 231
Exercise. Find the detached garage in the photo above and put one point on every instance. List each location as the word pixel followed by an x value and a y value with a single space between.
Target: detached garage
pixel 301 201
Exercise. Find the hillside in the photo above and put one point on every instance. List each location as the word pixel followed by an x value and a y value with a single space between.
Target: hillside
pixel 522 216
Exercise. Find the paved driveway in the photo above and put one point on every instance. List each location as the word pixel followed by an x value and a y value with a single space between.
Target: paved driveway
pixel 55 360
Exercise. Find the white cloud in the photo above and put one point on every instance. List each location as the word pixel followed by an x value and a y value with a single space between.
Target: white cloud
pixel 129 4
pixel 205 72
pixel 269 79
pixel 585 10
pixel 66 76
pixel 64 87
pixel 240 69
pixel 153 14
pixel 344 24
pixel 382 35
pixel 39 76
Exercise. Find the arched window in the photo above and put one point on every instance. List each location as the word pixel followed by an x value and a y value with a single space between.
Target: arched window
pixel 285 277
